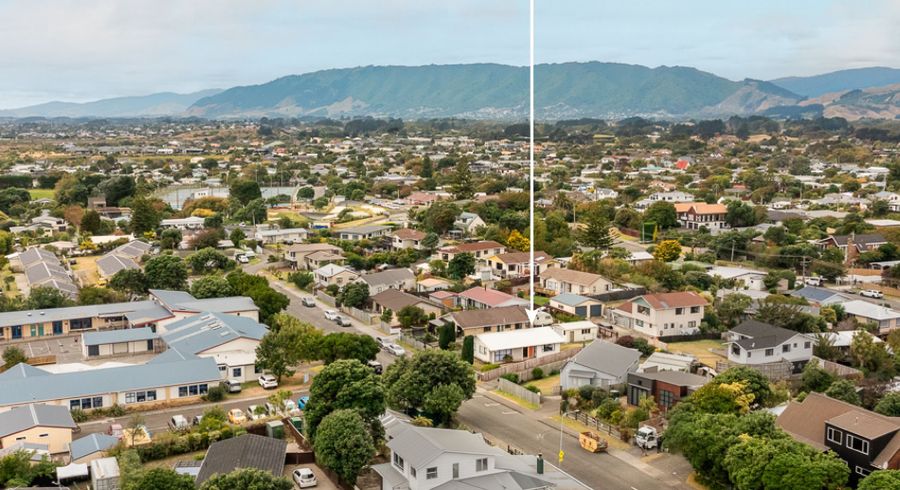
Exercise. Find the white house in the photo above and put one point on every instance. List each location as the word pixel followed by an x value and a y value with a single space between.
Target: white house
pixel 601 364
pixel 580 331
pixel 517 345
pixel 557 280
pixel 754 343
pixel 662 314
pixel 282 235
pixel 189 223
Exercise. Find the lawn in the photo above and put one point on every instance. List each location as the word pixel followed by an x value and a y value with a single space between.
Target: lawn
pixel 548 385
pixel 13 289
pixel 701 349
pixel 86 270
pixel 41 193
pixel 541 301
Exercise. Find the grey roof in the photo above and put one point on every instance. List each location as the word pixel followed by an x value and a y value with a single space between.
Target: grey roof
pixel 109 264
pixel 182 301
pixel 571 299
pixel 389 276
pixel 152 313
pixel 134 249
pixel 678 378
pixel 421 445
pixel 34 255
pixel 116 336
pixel 814 294
pixel 24 317
pixel 19 389
pixel 861 239
pixel 396 300
pixel 362 230
pixel 91 444
pixel 508 480
pixel 246 451
pixel 606 357
pixel 34 415
pixel 761 335
pixel 198 333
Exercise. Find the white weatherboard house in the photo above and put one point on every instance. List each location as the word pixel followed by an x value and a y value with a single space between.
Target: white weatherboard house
pixel 517 345
pixel 601 364
pixel 580 331
pixel 754 343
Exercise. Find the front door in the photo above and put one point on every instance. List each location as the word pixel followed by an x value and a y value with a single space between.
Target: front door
pixel 17 331
pixel 524 352
pixel 57 328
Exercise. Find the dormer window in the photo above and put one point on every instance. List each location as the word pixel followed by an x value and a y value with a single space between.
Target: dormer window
pixel 857 444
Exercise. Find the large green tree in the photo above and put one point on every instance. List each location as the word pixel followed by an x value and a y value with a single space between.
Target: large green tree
pixel 159 478
pixel 663 214
pixel 461 265
pixel 346 345
pixel 286 345
pixel 598 233
pixel 411 382
pixel 211 287
pixel 355 294
pixel 344 444
pixel 166 272
pixel 881 480
pixel 132 281
pixel 244 191
pixel 144 216
pixel 345 384
pixel 247 479
pixel 208 260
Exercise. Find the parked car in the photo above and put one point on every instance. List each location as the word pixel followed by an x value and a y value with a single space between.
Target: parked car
pixel 268 381
pixel 232 385
pixel 308 302
pixel 381 341
pixel 242 259
pixel 302 401
pixel 343 322
pixel 304 478
pixel 178 423
pixel 395 350
pixel 270 408
pixel 871 293
pixel 290 408
pixel 376 366
pixel 236 416
pixel 255 412
pixel 115 430
pixel 331 315
pixel 814 281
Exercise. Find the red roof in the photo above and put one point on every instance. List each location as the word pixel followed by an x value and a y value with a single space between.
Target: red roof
pixel 490 297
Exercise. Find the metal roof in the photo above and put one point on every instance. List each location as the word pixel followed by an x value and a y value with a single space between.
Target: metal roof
pixel 606 357
pixel 91 444
pixel 116 336
pixel 571 299
pixel 198 333
pixel 246 451
pixel 26 317
pixel 110 264
pixel 421 445
pixel 35 415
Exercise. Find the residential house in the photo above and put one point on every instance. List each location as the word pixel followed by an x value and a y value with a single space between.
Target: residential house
pixel 420 198
pixel 468 223
pixel 665 387
pixel 471 322
pixel 580 331
pixel 820 296
pixel 367 232
pixel 743 278
pixel 556 280
pixel 282 235
pixel 696 215
pixel 407 238
pixel 432 284
pixel 484 297
pixel 332 274
pixel 852 245
pixel 886 319
pixel 511 265
pixel 311 256
pixel 662 314
pixel 244 451
pixel 482 251
pixel 576 304
pixel 601 364
pixel 395 300
pixel 664 361
pixel 671 196
pixel 402 279
pixel 44 269
pixel 866 440
pixel 517 345
pixel 91 447
pixel 753 343
pixel 191 223
pixel 36 423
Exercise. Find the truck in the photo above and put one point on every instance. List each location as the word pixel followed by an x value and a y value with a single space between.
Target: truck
pixel 647 437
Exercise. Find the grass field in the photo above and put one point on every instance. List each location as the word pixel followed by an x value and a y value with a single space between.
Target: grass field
pixel 699 349
pixel 13 290
pixel 541 301
pixel 41 193
pixel 86 270
pixel 548 385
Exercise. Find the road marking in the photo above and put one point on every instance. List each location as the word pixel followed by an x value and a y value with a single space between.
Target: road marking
pixel 510 412
pixel 477 396
pixel 493 404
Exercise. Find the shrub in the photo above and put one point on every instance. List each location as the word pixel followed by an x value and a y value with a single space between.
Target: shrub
pixel 489 367
pixel 511 377
pixel 554 372
pixel 116 410
pixel 626 341
pixel 537 373
pixel 532 388
pixel 598 397
pixel 215 394
pixel 585 392
pixel 78 415
pixel 607 407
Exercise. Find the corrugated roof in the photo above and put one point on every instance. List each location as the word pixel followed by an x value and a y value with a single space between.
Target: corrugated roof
pixel 571 299
pixel 202 332
pixel 11 318
pixel 420 445
pixel 606 357
pixel 389 276
pixel 572 276
pixel 680 299
pixel 504 315
pixel 525 337
pixel 34 415
pixel 91 444
pixel 246 451
pixel 115 336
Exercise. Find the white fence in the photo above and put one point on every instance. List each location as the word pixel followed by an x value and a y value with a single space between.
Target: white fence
pixel 523 368
pixel 519 391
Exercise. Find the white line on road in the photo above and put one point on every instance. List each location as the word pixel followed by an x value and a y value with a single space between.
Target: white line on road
pixel 511 412
pixel 494 404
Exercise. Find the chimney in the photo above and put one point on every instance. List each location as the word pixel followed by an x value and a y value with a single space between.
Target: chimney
pixel 540 464
pixel 852 251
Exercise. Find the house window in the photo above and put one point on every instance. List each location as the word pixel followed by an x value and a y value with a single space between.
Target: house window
pixel 585 331
pixel 770 352
pixel 44 435
pixel 862 471
pixel 192 390
pixel 237 372
pixel 431 473
pixel 786 348
pixel 481 464
pixel 695 309
pixel 857 444
pixel 679 311
pixel 735 349
pixel 835 436
pixel 412 472
pixel 692 324
pixel 455 470
pixel 398 461
pixel 666 398
pixel 807 345
pixel 549 347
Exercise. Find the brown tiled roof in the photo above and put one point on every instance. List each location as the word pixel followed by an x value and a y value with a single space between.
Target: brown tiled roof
pixel 473 247
pixel 681 299
pixel 571 276
pixel 505 315
pixel 409 234
pixel 396 300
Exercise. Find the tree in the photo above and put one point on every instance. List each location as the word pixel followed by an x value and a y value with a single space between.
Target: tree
pixel 268 300
pixel 409 382
pixel 447 335
pixel 516 241
pixel 115 189
pixel 732 308
pixel 442 402
pixel 345 384
pixel 663 214
pixel 889 405
pixel 411 316
pixel 667 251
pixel 468 349
pixel 354 295
pixel 431 241
pixel 207 260
pixel 880 480
pixel 462 181
pixel 170 238
pixel 244 191
pixel 286 345
pixel 301 279
pixel 156 478
pixel 247 479
pixel 844 390
pixel 129 280
pixel 343 444
pixel 92 295
pixel 134 426
pixel 166 272
pixel 439 217
pixel 13 196
pixel 13 355
pixel 754 382
pixel 723 398
pixel 598 233
pixel 144 216
pixel 208 238
pixel 345 345
pixel 740 215
pixel 824 347
pixel 90 222
pixel 461 265
pixel 211 287
pixel 871 357
pixel 237 236
pixel 46 297
pixel 814 378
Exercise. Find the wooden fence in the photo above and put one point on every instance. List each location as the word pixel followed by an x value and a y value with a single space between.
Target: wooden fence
pixel 519 391
pixel 325 298
pixel 595 423
pixel 523 367
pixel 774 371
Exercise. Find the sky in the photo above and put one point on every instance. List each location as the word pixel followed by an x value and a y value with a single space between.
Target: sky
pixel 79 50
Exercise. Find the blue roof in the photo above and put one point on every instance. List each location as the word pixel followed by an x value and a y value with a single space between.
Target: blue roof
pixel 198 333
pixel 813 293
pixel 570 299
pixel 91 444
pixel 116 336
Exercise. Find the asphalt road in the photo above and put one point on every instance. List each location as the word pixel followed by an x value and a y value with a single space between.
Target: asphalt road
pixel 599 471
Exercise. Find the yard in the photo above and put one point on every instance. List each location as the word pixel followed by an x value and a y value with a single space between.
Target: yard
pixel 41 193
pixel 85 269
pixel 701 349
pixel 541 301
pixel 9 286
pixel 547 386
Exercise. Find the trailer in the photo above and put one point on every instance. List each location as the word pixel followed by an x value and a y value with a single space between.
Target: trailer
pixel 592 442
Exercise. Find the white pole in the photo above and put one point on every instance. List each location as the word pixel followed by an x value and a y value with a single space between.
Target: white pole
pixel 531 268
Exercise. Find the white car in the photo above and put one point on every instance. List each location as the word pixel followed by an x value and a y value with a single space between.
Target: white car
pixel 331 315
pixel 395 349
pixel 304 477
pixel 268 381
pixel 871 293
pixel 242 259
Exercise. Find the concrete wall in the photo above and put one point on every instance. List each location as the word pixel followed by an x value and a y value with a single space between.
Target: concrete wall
pixel 519 391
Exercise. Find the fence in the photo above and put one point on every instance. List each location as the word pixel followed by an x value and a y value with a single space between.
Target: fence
pixel 519 391
pixel 325 298
pixel 363 316
pixel 774 371
pixel 523 368
pixel 595 423
pixel 413 342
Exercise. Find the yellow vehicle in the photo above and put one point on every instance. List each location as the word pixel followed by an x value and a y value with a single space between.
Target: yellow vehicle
pixel 236 416
pixel 592 442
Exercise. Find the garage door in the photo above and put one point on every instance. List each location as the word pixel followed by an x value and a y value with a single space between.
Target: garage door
pixel 581 310
pixel 596 310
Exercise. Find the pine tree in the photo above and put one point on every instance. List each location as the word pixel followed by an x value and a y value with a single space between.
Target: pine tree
pixel 598 234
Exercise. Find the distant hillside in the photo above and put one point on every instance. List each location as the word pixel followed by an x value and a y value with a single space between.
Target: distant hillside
pixel 154 105
pixel 494 91
pixel 840 81
pixel 871 103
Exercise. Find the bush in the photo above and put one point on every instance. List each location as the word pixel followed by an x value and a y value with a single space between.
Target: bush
pixel 78 415
pixel 215 394
pixel 116 411
pixel 511 377
pixel 554 372
pixel 585 392
pixel 489 367
pixel 537 373
pixel 532 388
pixel 598 397
pixel 607 407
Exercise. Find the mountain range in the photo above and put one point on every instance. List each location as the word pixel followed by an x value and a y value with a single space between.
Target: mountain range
pixel 494 91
